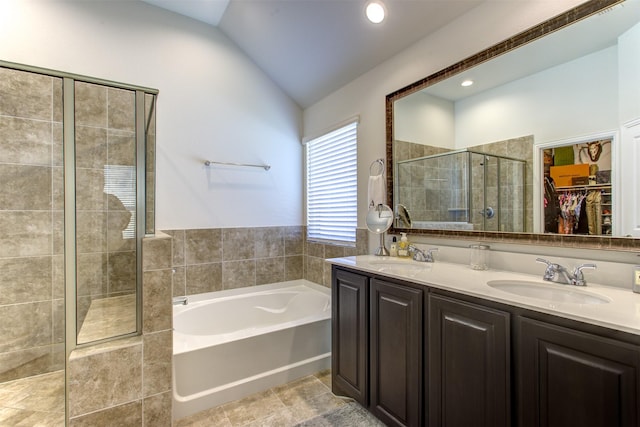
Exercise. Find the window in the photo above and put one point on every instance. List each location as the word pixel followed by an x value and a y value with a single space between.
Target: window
pixel 332 185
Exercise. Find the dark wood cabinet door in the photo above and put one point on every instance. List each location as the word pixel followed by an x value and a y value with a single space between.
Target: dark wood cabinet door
pixel 469 364
pixel 396 353
pixel 349 355
pixel 572 378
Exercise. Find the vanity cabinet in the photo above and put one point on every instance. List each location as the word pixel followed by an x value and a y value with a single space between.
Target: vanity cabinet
pixel 469 364
pixel 395 334
pixel 568 377
pixel 415 355
pixel 349 335
pixel 377 346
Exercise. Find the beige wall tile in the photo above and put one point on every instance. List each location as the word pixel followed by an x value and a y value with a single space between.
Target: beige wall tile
pixel 269 270
pixel 179 275
pixel 91 232
pixel 57 188
pixel 156 300
pixel 117 222
pixel 293 267
pixel 122 273
pixel 314 269
pixel 203 246
pixel 91 105
pixel 157 410
pixel 121 148
pixel 57 101
pixel 293 240
pixel 25 141
pixel 25 187
pixel 238 274
pixel 156 362
pixel 238 244
pixel 57 158
pixel 91 147
pixel 333 251
pixel 24 94
pixel 25 279
pixel 25 363
pixel 58 276
pixel 269 242
pixel 25 233
pixel 91 274
pixel 121 110
pixel 104 379
pixel 202 278
pixel 129 414
pixel 25 325
pixel 315 249
pixel 178 244
pixel 90 194
pixel 156 253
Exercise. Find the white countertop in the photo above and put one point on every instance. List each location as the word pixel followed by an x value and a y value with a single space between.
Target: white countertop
pixel 622 312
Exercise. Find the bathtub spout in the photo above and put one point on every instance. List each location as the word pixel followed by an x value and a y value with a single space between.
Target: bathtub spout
pixel 180 301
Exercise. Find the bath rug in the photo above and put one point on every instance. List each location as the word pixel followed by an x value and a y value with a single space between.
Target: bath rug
pixel 350 414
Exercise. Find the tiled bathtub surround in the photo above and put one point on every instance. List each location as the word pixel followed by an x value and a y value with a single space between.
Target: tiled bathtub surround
pixel 129 379
pixel 31 233
pixel 207 260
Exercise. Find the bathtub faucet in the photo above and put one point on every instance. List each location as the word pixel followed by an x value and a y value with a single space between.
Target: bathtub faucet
pixel 180 301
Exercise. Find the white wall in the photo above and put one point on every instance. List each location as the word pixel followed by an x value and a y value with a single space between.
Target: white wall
pixel 573 99
pixel 425 119
pixel 487 24
pixel 213 103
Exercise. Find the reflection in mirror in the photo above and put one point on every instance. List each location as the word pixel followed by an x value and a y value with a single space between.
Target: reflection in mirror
pixel 470 158
pixel 379 220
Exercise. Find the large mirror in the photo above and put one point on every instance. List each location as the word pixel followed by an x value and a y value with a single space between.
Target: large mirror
pixel 547 110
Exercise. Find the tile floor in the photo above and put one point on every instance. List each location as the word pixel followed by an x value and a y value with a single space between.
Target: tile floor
pixel 33 401
pixel 39 401
pixel 284 406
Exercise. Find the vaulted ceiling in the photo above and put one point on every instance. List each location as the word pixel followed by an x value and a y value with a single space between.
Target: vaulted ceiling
pixel 311 48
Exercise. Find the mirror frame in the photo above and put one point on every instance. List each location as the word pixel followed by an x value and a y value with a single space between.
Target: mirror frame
pixel 563 20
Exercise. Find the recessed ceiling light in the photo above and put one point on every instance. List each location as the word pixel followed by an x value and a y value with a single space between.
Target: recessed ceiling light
pixel 375 11
pixel 466 83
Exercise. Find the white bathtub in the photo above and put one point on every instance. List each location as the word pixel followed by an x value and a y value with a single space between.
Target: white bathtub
pixel 229 344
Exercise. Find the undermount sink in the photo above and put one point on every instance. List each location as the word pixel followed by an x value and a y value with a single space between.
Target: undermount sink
pixel 550 292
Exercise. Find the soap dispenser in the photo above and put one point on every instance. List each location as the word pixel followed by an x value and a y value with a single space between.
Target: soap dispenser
pixel 403 246
pixel 393 250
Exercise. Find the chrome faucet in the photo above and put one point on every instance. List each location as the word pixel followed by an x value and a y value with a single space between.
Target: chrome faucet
pixel 180 301
pixel 421 256
pixel 559 274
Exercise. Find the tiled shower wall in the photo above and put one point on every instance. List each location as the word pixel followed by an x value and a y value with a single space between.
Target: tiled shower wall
pixel 31 228
pixel 207 260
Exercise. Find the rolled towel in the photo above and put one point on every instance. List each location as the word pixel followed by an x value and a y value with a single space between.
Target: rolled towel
pixel 377 191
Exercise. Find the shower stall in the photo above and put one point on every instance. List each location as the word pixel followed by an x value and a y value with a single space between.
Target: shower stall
pixel 463 190
pixel 76 166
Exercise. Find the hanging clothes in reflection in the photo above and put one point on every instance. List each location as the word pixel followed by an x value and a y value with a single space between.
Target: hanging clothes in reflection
pixel 580 212
pixel 594 211
pixel 570 211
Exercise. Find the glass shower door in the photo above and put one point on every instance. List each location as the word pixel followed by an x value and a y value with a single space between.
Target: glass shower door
pixel 106 248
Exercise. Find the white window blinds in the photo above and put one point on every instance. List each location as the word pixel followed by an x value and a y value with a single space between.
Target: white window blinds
pixel 332 185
